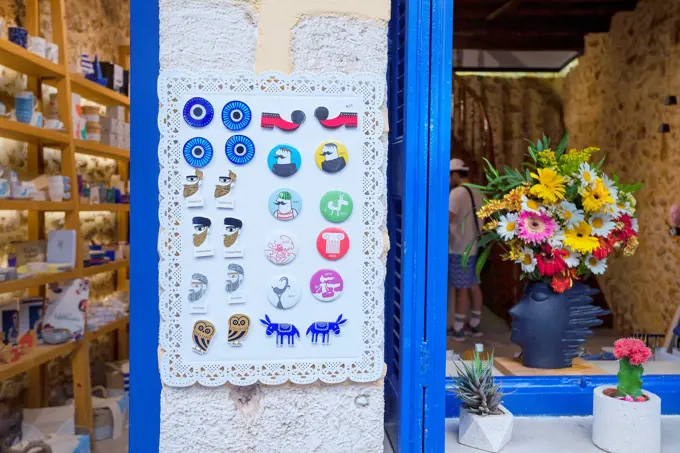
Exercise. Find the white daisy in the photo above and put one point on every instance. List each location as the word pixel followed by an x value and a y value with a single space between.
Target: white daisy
pixel 527 260
pixel 596 266
pixel 507 226
pixel 602 224
pixel 570 214
pixel 573 259
pixel 613 191
pixel 586 175
pixel 634 224
pixel 555 241
pixel 531 205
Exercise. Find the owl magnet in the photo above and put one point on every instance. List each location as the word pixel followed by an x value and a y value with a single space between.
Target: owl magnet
pixel 324 330
pixel 231 238
pixel 281 248
pixel 201 242
pixel 336 206
pixel 284 161
pixel 203 333
pixel 331 157
pixel 285 204
pixel 192 188
pixel 234 284
pixel 286 331
pixel 332 243
pixel 326 285
pixel 198 300
pixel 223 190
pixel 284 292
pixel 346 119
pixel 238 329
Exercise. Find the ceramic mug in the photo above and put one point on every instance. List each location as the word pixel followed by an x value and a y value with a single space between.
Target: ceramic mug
pixel 53 124
pixel 24 105
pixel 37 45
pixel 52 52
pixel 19 36
pixel 55 188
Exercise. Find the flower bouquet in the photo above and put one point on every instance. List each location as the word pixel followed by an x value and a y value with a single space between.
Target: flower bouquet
pixel 560 218
pixel 627 419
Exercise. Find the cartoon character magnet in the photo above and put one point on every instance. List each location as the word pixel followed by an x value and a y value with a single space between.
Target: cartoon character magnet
pixel 192 188
pixel 234 285
pixel 238 328
pixel 281 248
pixel 200 238
pixel 336 206
pixel 284 160
pixel 223 190
pixel 198 299
pixel 285 204
pixel 331 157
pixel 274 120
pixel 326 285
pixel 347 119
pixel 284 292
pixel 324 329
pixel 332 243
pixel 203 333
pixel 282 331
pixel 232 231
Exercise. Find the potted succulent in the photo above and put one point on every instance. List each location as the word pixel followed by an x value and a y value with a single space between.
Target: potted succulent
pixel 627 419
pixel 484 422
pixel 561 219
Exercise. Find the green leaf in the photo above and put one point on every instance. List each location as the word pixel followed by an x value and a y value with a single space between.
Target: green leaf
pixel 488 238
pixel 491 167
pixel 466 254
pixel 562 147
pixel 478 187
pixel 539 145
pixel 599 164
pixel 481 261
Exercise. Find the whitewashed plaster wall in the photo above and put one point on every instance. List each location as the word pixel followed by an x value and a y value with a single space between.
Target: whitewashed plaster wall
pixel 298 35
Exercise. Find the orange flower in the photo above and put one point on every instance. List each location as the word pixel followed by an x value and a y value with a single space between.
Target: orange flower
pixel 563 281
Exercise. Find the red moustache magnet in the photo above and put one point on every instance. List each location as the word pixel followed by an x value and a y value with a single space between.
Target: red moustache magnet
pixel 274 120
pixel 347 119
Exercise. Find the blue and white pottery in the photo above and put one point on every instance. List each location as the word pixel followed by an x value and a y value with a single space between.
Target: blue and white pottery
pixel 18 36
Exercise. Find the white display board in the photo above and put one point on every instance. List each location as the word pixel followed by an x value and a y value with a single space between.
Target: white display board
pixel 261 260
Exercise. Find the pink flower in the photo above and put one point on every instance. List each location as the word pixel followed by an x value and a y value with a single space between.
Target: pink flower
pixel 535 227
pixel 634 350
pixel 640 399
pixel 627 398
pixel 674 215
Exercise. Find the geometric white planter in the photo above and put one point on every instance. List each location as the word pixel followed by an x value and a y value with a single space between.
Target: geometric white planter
pixel 490 433
pixel 625 427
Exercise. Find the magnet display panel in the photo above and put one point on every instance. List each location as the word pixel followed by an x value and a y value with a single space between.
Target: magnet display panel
pixel 334 332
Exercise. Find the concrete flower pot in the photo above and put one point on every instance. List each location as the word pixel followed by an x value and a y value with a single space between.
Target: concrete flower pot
pixel 626 427
pixel 490 433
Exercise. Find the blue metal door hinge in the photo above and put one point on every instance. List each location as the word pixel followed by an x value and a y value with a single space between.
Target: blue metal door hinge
pixel 424 364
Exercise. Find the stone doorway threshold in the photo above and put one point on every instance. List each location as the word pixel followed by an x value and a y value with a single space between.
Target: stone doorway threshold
pixel 558 435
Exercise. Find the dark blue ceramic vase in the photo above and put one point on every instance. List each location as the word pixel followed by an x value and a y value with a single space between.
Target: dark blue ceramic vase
pixel 18 36
pixel 550 327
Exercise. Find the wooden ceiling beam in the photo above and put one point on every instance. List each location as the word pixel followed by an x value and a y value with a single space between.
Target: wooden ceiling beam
pixel 512 24
pixel 568 10
pixel 530 42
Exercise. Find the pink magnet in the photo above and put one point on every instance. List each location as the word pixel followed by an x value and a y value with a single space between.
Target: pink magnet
pixel 326 285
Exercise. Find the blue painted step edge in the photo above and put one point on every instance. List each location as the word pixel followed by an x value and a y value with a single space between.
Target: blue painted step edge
pixel 567 396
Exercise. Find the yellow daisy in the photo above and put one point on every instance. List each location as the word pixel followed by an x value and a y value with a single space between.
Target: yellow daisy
pixel 580 240
pixel 596 197
pixel 550 187
pixel 513 199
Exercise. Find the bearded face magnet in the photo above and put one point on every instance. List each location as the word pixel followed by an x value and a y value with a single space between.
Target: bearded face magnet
pixel 234 284
pixel 192 188
pixel 200 237
pixel 231 237
pixel 203 333
pixel 197 297
pixel 223 190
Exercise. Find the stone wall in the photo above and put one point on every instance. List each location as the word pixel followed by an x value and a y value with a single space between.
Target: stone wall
pixel 258 35
pixel 614 99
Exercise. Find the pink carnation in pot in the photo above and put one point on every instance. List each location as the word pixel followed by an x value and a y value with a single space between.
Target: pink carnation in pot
pixel 634 350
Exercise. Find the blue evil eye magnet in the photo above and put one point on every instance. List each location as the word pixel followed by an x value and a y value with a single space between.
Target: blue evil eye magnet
pixel 198 112
pixel 198 152
pixel 236 115
pixel 284 160
pixel 286 332
pixel 240 149
pixel 323 330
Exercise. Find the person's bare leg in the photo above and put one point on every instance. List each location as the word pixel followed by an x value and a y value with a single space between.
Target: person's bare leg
pixel 462 302
pixel 451 307
pixel 476 312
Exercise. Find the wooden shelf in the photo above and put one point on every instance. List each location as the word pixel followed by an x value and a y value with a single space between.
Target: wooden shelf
pixel 97 149
pixel 26 62
pixel 38 280
pixel 97 93
pixel 105 207
pixel 108 267
pixel 108 328
pixel 32 205
pixel 21 132
pixel 42 354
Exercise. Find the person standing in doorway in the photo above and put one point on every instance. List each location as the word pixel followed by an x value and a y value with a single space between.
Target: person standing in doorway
pixel 464 228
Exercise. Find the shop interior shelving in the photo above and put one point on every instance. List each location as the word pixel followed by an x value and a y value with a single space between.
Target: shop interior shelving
pixel 42 71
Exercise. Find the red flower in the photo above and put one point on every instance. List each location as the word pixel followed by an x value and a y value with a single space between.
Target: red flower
pixel 603 250
pixel 624 229
pixel 551 261
pixel 634 350
pixel 562 281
